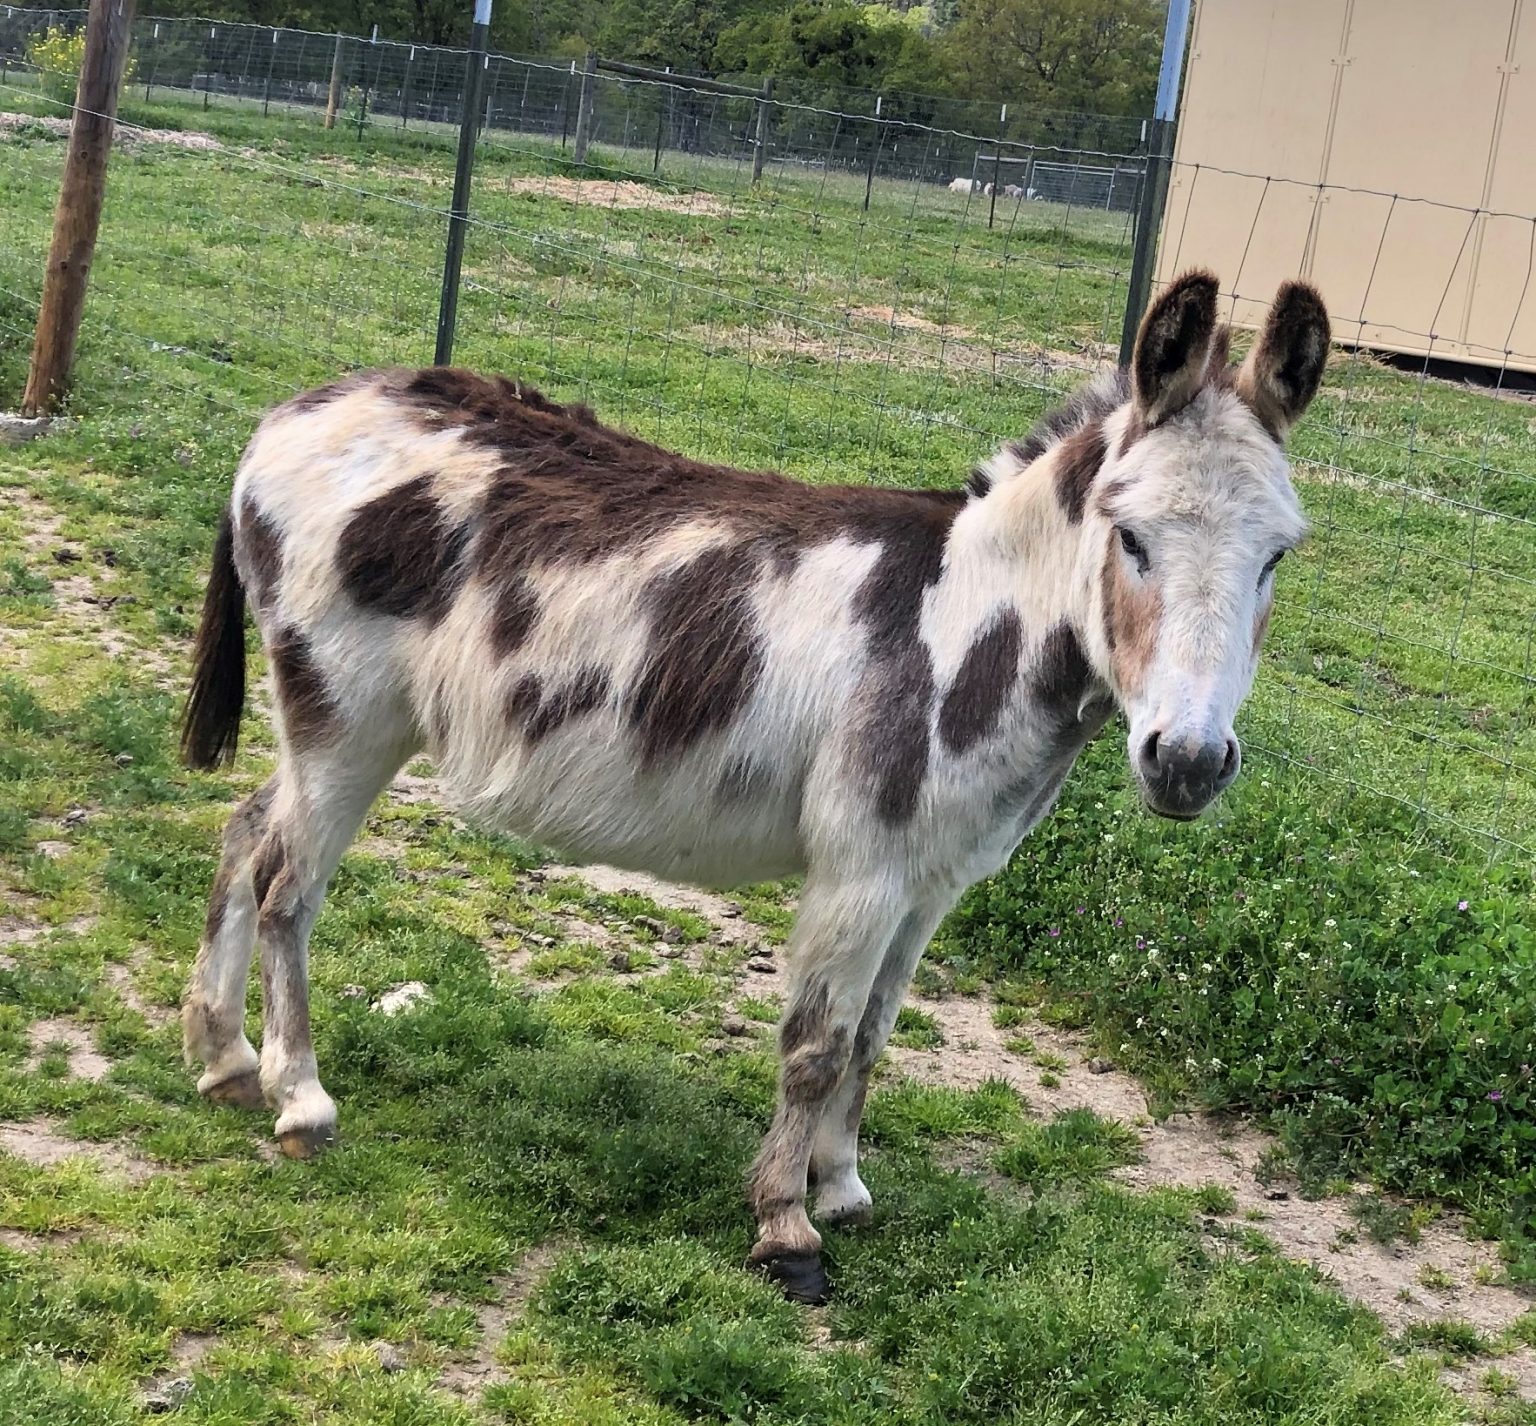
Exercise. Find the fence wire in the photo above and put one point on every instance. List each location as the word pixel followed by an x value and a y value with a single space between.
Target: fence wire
pixel 247 252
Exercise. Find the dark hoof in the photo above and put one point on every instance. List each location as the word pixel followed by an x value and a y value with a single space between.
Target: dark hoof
pixel 800 1276
pixel 241 1090
pixel 306 1143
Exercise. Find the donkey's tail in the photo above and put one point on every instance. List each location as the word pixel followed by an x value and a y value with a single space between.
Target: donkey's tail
pixel 210 727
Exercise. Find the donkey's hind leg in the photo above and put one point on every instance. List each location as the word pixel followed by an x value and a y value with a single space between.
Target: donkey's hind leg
pixel 213 1012
pixel 323 796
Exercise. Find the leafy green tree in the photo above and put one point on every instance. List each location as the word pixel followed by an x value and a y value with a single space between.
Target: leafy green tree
pixel 1098 56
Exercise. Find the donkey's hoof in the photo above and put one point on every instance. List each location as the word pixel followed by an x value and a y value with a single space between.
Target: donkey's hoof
pixel 305 1143
pixel 243 1090
pixel 800 1276
pixel 847 1215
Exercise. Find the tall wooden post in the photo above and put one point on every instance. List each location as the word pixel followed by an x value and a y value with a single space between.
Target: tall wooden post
pixel 760 153
pixel 333 99
pixel 584 108
pixel 78 215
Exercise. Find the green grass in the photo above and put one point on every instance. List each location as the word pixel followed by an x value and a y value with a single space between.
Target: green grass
pixel 1007 1278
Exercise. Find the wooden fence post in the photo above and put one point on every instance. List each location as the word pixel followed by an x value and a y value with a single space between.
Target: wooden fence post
pixel 760 153
pixel 78 215
pixel 584 109
pixel 333 100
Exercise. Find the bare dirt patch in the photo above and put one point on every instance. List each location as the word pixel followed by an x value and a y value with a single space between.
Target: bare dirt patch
pixel 906 342
pixel 1188 1150
pixel 41 1143
pixel 122 980
pixel 1193 1150
pixel 470 1375
pixel 126 136
pixel 619 193
pixel 85 1061
pixel 731 927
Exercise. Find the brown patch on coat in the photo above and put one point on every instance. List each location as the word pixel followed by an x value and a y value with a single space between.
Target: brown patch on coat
pixel 271 861
pixel 319 396
pixel 1078 460
pixel 539 716
pixel 813 1052
pixel 1132 616
pixel 974 704
pixel 894 739
pixel 261 549
pixel 705 653
pixel 570 490
pixel 242 834
pixel 515 610
pixel 402 555
pixel 310 713
pixel 1061 674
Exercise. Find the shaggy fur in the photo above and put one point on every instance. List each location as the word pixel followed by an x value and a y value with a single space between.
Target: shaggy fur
pixel 725 676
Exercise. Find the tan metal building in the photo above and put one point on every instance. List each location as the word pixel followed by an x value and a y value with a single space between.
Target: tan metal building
pixel 1386 149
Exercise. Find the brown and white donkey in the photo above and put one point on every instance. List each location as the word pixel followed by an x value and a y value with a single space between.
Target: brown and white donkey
pixel 724 676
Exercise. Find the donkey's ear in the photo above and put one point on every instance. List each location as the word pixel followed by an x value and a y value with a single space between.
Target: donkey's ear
pixel 1285 367
pixel 1173 347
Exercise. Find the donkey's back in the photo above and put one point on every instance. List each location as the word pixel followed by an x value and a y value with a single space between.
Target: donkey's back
pixel 604 646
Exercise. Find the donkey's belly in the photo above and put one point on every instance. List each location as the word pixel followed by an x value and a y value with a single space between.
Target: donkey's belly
pixel 591 804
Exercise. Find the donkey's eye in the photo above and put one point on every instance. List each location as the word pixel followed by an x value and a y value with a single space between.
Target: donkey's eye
pixel 1269 565
pixel 1135 549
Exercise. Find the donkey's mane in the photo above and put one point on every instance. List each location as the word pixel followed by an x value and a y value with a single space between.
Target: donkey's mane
pixel 1087 406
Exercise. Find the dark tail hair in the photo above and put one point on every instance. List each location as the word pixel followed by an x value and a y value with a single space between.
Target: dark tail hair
pixel 210 727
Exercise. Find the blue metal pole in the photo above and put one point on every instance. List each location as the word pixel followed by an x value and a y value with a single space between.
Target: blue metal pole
pixel 1154 182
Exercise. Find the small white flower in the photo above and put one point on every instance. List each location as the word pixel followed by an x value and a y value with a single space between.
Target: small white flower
pixel 1330 923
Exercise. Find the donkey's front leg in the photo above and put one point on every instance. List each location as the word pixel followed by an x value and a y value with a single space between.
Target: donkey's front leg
pixel 839 940
pixel 840 1193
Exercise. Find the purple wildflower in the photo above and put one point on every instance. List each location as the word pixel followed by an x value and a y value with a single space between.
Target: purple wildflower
pixel 1461 905
pixel 1055 930
pixel 1495 1095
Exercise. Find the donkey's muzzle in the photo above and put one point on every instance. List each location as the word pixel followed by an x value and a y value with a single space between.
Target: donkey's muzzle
pixel 1181 777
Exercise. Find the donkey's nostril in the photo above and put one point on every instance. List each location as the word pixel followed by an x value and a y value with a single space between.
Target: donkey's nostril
pixel 1230 765
pixel 1149 754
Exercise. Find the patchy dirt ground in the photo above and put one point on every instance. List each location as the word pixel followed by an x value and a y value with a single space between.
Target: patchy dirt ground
pixel 126 135
pixel 619 193
pixel 1444 1276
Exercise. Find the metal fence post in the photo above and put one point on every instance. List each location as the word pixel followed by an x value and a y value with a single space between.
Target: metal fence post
pixel 208 66
pixel 874 153
pixel 405 88
pixel 458 218
pixel 333 98
pixel 266 92
pixel 1154 185
pixel 661 119
pixel 565 108
pixel 154 61
pixel 362 65
pixel 997 166
pixel 584 108
pixel 760 155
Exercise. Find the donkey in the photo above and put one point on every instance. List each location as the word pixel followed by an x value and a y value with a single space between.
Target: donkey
pixel 723 676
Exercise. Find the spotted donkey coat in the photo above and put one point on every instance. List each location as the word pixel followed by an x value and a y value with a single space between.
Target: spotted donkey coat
pixel 725 676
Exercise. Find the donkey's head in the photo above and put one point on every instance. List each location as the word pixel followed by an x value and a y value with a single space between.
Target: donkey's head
pixel 1190 512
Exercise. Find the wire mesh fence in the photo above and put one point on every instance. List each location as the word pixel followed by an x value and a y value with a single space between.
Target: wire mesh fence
pixel 247 252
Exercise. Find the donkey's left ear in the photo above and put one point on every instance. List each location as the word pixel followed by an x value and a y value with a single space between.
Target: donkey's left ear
pixel 1285 367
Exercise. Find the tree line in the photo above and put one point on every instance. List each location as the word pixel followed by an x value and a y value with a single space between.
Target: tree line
pixel 1074 56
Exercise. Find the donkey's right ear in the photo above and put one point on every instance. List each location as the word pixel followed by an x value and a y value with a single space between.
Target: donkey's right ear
pixel 1173 347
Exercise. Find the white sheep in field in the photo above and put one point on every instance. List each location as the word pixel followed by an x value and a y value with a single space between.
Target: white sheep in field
pixel 962 185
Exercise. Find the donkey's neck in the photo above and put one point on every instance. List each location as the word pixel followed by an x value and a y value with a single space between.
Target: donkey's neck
pixel 1024 544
